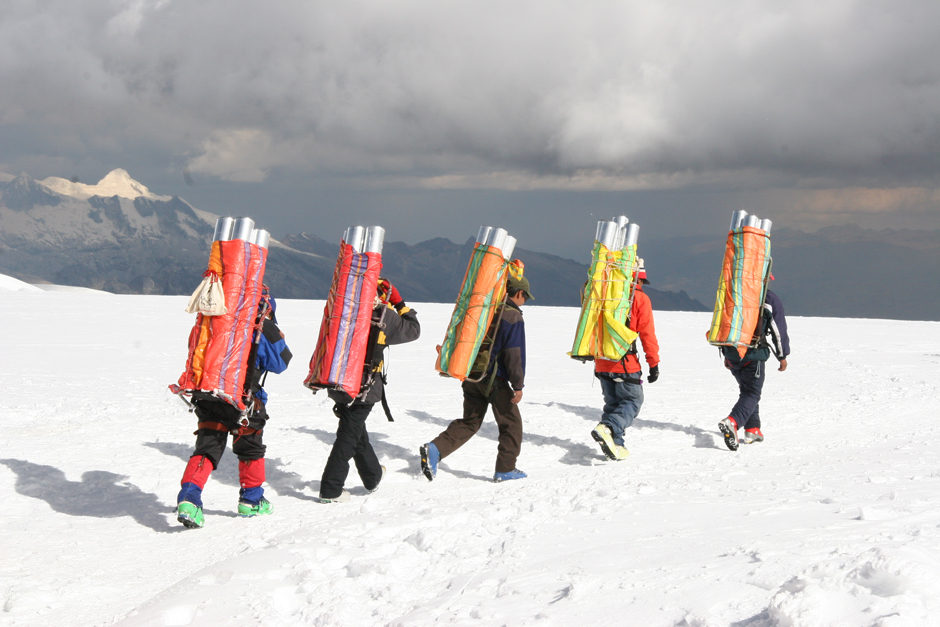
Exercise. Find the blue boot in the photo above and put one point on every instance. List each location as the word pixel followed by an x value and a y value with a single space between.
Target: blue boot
pixel 430 456
pixel 515 473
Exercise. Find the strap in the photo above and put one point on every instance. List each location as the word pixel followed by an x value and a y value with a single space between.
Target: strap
pixel 388 412
pixel 218 426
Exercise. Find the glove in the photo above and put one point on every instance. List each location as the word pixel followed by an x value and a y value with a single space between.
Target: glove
pixel 394 298
pixel 389 294
pixel 653 375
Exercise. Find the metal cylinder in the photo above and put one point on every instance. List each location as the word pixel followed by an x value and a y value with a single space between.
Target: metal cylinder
pixel 622 222
pixel 483 234
pixel 242 228
pixel 508 247
pixel 261 238
pixel 354 237
pixel 632 235
pixel 607 233
pixel 223 229
pixel 737 217
pixel 752 221
pixel 375 239
pixel 497 238
pixel 765 225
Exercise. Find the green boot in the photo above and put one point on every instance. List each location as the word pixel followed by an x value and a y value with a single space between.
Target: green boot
pixel 247 510
pixel 190 515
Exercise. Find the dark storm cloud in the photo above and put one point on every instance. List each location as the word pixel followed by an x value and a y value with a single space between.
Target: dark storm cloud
pixel 533 95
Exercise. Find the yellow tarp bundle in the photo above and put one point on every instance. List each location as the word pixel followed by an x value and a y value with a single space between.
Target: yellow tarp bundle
pixel 605 305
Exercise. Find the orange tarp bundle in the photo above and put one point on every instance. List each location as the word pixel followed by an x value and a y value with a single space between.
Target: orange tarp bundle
pixel 220 346
pixel 741 289
pixel 482 291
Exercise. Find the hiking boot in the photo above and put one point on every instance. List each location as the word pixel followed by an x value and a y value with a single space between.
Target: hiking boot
pixel 753 435
pixel 515 473
pixel 377 484
pixel 429 458
pixel 729 429
pixel 342 498
pixel 601 433
pixel 190 515
pixel 247 510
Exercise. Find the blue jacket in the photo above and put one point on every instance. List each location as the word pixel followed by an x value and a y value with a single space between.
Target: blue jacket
pixel 774 338
pixel 272 356
pixel 509 346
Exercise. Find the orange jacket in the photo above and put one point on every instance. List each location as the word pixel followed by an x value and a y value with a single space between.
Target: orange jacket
pixel 641 321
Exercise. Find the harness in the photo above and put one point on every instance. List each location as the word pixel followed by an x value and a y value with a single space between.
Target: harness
pixel 374 366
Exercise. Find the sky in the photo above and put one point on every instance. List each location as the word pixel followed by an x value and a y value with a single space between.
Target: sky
pixel 433 117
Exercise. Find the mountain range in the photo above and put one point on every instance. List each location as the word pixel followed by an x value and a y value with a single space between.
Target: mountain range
pixel 119 236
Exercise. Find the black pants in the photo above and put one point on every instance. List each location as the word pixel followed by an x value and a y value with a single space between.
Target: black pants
pixel 750 378
pixel 211 443
pixel 475 404
pixel 352 442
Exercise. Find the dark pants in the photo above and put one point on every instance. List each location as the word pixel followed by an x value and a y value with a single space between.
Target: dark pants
pixel 352 442
pixel 750 378
pixel 211 443
pixel 475 403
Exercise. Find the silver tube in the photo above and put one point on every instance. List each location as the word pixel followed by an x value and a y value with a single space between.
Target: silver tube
pixel 765 225
pixel 622 222
pixel 607 233
pixel 355 235
pixel 483 234
pixel 242 229
pixel 508 247
pixel 261 238
pixel 752 220
pixel 633 234
pixel 497 238
pixel 223 229
pixel 375 239
pixel 737 217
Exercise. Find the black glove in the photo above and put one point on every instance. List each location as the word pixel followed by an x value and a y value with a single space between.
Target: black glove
pixel 653 375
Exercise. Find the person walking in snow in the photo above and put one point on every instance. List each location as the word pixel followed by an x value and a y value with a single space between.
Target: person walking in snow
pixel 352 440
pixel 500 386
pixel 621 380
pixel 749 372
pixel 218 418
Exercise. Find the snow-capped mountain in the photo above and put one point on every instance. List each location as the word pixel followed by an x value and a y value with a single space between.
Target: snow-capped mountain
pixel 56 212
pixel 120 237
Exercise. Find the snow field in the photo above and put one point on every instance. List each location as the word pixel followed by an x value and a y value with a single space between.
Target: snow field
pixel 834 520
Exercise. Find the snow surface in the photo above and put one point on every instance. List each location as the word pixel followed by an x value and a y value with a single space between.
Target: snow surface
pixel 117 182
pixel 9 284
pixel 834 520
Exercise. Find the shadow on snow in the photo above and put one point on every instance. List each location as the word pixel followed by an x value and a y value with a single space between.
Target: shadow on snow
pixel 100 494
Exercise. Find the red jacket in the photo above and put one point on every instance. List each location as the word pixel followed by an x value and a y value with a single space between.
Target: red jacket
pixel 641 321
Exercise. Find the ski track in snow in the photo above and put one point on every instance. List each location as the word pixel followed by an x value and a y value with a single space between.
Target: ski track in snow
pixel 834 520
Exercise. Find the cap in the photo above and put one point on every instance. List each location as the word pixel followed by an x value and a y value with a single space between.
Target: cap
pixel 520 284
pixel 641 271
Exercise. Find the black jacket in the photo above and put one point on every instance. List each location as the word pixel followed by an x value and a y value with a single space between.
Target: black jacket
pixel 401 327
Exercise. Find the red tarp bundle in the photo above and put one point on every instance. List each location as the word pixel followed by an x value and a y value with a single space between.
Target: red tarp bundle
pixel 220 346
pixel 340 355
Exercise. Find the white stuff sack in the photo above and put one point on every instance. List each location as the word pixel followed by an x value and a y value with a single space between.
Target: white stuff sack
pixel 209 298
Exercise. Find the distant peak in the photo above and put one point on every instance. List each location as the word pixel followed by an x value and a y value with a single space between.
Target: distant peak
pixel 116 183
